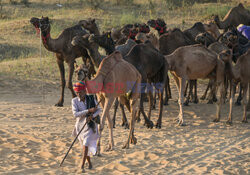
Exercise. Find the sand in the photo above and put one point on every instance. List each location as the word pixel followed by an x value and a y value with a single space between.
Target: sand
pixel 35 135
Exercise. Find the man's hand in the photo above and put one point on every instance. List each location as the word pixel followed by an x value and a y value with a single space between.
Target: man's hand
pixel 92 110
pixel 89 118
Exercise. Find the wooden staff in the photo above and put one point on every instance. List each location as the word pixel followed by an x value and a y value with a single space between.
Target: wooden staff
pixel 76 137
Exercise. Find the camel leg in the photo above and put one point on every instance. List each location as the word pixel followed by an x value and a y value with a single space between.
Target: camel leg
pixel 212 94
pixel 230 116
pixel 167 91
pixel 115 110
pixel 186 88
pixel 159 121
pixel 203 97
pixel 238 101
pixel 107 105
pixel 248 105
pixel 124 101
pixel 124 118
pixel 131 137
pixel 168 85
pixel 218 104
pixel 220 81
pixel 111 140
pixel 182 82
pixel 148 122
pixel 69 83
pixel 154 99
pixel 190 93
pixel 62 74
pixel 195 100
pixel 244 89
pixel 150 97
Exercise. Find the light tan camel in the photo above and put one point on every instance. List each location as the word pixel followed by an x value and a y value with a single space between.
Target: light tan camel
pixel 193 62
pixel 240 72
pixel 113 79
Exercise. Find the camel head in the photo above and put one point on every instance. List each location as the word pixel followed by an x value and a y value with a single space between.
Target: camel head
pixel 217 20
pixel 81 41
pixel 43 24
pixel 130 33
pixel 226 56
pixel 105 41
pixel 205 38
pixel 144 28
pixel 82 72
pixel 89 24
pixel 158 25
pixel 230 38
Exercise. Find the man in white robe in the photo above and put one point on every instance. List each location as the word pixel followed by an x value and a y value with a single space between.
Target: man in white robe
pixel 83 113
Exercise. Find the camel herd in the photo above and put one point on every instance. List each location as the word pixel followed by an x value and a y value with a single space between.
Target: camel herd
pixel 139 57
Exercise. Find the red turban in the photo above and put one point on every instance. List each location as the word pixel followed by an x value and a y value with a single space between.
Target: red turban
pixel 79 86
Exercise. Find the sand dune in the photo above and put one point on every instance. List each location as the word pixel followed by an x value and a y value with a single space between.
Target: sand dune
pixel 35 135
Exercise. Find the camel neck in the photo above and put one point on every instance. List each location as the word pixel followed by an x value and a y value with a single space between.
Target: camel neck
pixel 94 55
pixel 50 44
pixel 95 31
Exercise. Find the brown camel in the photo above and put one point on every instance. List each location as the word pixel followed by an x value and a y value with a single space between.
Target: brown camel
pixel 235 16
pixel 193 62
pixel 96 59
pixel 240 72
pixel 152 70
pixel 111 81
pixel 205 39
pixel 90 25
pixel 216 47
pixel 63 49
pixel 213 29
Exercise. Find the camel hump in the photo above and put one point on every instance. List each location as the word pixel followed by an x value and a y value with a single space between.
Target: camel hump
pixel 240 5
pixel 117 55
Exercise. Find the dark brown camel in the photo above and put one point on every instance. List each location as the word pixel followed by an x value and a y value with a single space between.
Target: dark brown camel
pixel 63 49
pixel 152 70
pixel 235 16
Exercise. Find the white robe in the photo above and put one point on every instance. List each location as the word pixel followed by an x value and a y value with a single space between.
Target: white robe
pixel 87 137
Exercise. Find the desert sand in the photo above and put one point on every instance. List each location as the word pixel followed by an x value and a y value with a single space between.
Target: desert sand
pixel 35 135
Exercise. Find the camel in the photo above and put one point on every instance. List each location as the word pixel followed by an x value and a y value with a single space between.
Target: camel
pixel 193 62
pixel 111 81
pixel 196 29
pixel 152 70
pixel 148 36
pixel 63 49
pixel 90 25
pixel 238 73
pixel 205 39
pixel 213 29
pixel 159 25
pixel 216 47
pixel 116 34
pixel 168 43
pixel 94 55
pixel 235 16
